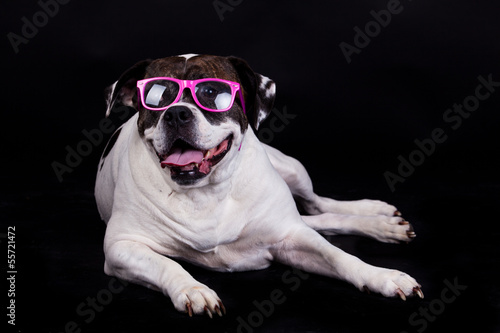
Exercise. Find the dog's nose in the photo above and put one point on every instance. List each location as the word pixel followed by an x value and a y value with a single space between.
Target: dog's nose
pixel 178 116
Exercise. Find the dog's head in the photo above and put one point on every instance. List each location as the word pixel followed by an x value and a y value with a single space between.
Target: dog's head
pixel 194 127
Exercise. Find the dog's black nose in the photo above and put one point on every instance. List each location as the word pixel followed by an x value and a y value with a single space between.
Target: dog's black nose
pixel 177 116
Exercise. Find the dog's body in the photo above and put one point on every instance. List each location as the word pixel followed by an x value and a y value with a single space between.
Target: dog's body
pixel 235 211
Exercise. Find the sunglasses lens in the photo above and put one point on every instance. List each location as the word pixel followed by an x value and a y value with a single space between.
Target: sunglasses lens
pixel 160 93
pixel 214 95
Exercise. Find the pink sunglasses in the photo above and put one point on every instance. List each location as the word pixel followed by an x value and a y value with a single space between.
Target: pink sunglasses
pixel 214 95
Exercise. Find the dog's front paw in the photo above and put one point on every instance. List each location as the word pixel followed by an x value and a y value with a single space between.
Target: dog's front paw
pixel 392 283
pixel 198 299
pixel 388 229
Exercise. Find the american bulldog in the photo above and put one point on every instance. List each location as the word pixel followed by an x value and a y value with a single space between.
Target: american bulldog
pixel 187 178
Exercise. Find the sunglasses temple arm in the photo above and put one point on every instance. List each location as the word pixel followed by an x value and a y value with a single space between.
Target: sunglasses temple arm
pixel 242 101
pixel 244 111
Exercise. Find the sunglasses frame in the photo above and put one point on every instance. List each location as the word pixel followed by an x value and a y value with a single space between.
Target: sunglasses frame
pixel 190 84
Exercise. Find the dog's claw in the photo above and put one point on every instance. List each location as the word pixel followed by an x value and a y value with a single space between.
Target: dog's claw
pixel 366 290
pixel 403 222
pixel 221 306
pixel 218 311
pixel 417 291
pixel 411 234
pixel 401 294
pixel 208 312
pixel 397 213
pixel 189 309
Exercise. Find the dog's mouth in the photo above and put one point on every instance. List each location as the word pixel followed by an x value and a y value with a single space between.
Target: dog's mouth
pixel 187 163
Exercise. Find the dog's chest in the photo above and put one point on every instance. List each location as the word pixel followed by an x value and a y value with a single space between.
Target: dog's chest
pixel 205 221
pixel 225 243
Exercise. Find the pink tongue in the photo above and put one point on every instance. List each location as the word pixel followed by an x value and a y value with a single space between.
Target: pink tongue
pixel 180 157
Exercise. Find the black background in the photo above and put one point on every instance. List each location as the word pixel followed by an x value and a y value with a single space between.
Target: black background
pixel 352 121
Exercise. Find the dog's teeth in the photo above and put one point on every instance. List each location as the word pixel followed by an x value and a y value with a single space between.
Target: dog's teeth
pixel 209 153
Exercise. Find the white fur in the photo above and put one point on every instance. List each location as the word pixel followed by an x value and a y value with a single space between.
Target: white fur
pixel 109 101
pixel 241 216
pixel 188 55
pixel 271 91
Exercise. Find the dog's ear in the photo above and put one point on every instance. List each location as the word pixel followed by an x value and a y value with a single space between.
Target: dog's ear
pixel 258 90
pixel 124 90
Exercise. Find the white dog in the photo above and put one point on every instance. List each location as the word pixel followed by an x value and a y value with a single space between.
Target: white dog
pixel 187 178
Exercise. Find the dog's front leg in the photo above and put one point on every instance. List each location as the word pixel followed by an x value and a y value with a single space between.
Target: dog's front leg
pixel 138 263
pixel 305 249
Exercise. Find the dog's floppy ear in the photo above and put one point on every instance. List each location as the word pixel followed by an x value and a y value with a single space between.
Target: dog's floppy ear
pixel 259 92
pixel 124 90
